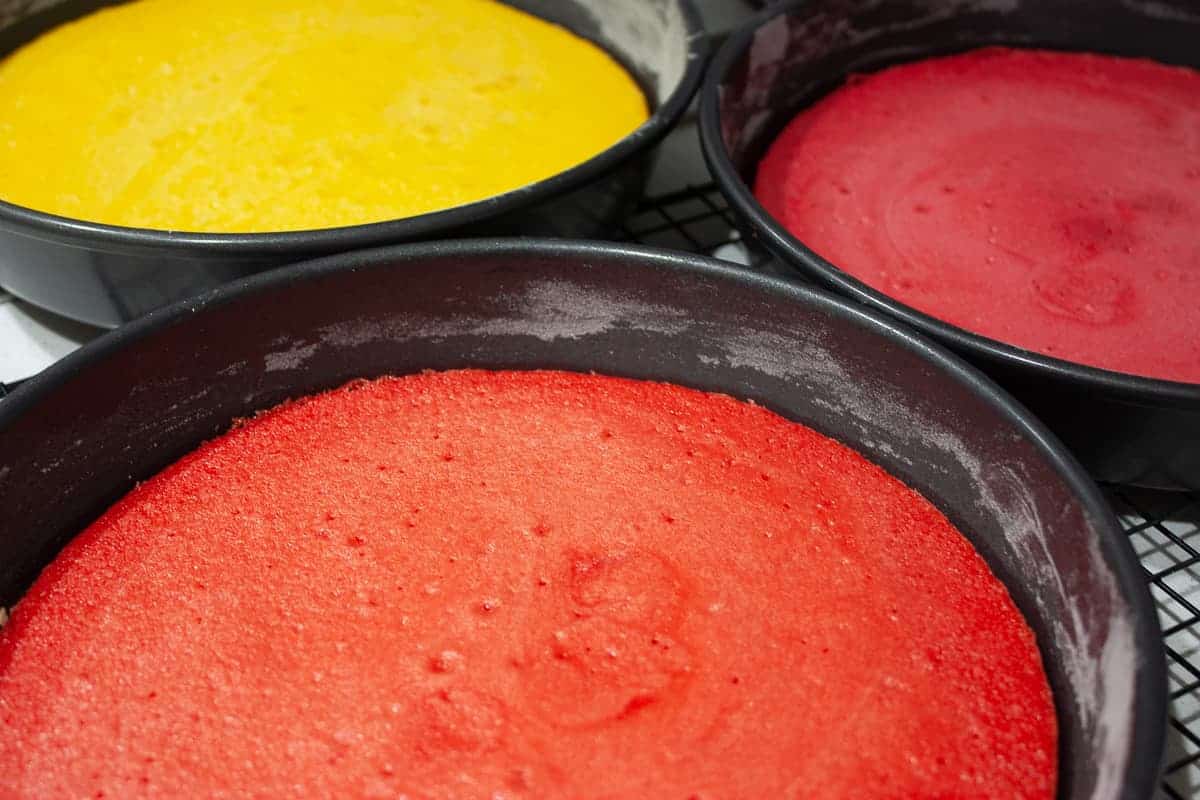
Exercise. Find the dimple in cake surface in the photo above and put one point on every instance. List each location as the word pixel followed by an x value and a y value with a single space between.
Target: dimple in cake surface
pixel 1047 200
pixel 231 117
pixel 482 584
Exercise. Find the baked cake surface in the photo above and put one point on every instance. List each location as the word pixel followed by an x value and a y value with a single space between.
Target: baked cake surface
pixel 1047 200
pixel 231 116
pixel 541 584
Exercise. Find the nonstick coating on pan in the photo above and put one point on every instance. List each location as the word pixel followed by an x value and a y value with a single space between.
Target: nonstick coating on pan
pixel 78 436
pixel 105 275
pixel 1125 429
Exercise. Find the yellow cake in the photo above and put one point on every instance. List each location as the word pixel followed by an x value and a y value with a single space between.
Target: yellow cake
pixel 269 115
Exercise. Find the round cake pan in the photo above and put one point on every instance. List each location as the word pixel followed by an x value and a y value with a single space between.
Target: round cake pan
pixel 106 275
pixel 1125 429
pixel 80 435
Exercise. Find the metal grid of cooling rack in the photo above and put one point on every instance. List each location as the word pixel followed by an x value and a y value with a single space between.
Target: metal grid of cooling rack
pixel 1163 527
pixel 695 218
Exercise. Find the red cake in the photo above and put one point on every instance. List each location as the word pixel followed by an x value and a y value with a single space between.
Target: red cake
pixel 1047 200
pixel 504 585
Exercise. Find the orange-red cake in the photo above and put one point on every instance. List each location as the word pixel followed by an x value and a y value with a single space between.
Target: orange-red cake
pixel 1047 200
pixel 505 585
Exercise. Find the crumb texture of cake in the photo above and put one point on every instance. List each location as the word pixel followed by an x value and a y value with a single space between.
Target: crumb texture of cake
pixel 232 117
pixel 522 585
pixel 1047 200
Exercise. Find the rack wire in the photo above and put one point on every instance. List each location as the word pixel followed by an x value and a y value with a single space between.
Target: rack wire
pixel 1163 527
pixel 1165 532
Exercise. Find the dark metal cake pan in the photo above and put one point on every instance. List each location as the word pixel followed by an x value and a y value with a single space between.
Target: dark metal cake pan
pixel 77 437
pixel 1124 428
pixel 105 275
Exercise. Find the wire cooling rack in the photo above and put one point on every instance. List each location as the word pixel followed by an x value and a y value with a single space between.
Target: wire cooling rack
pixel 1165 532
pixel 1163 527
